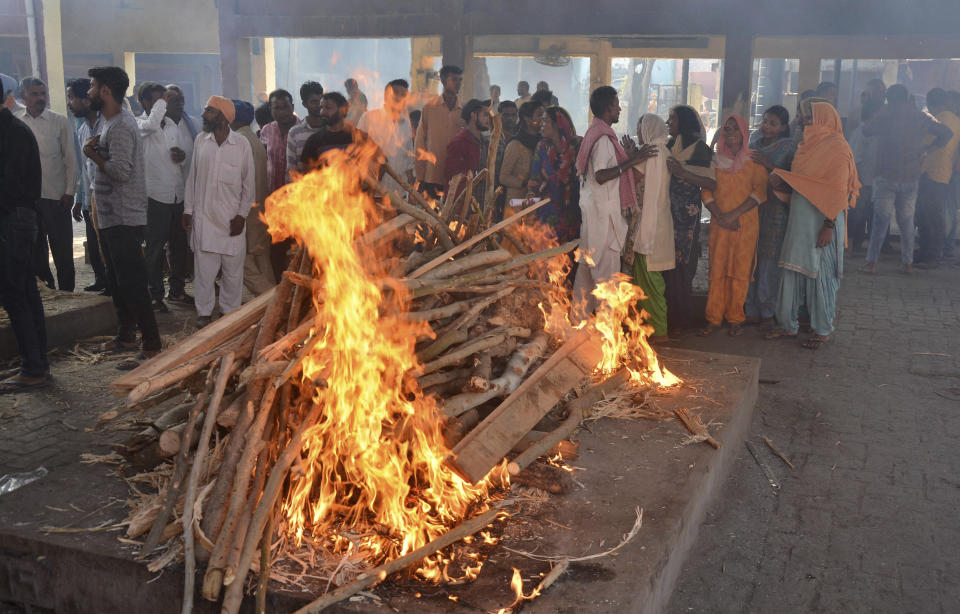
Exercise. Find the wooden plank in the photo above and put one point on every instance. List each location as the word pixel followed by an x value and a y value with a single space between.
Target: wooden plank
pixel 493 438
pixel 204 340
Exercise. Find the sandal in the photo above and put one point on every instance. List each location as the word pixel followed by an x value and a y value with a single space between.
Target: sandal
pixel 777 333
pixel 869 268
pixel 12 386
pixel 735 330
pixel 707 331
pixel 815 342
pixel 115 346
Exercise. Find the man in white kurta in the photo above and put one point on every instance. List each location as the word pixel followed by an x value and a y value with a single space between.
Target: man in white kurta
pixel 603 230
pixel 220 191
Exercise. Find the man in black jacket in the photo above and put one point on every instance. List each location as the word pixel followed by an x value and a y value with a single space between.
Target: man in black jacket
pixel 20 186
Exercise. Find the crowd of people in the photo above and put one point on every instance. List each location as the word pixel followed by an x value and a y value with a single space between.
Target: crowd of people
pixel 164 201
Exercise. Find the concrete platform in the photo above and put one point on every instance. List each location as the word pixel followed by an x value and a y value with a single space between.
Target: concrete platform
pixel 622 465
pixel 70 316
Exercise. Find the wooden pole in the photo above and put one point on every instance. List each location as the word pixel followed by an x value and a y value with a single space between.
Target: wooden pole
pixel 380 573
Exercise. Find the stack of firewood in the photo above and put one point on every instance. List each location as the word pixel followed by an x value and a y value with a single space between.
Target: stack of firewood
pixel 237 423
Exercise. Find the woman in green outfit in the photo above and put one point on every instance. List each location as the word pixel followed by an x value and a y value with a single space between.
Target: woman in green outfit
pixel 650 241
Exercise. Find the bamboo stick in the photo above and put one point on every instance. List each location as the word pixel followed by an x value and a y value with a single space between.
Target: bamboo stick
pixel 380 573
pixel 179 472
pixel 234 595
pixel 420 288
pixel 190 561
pixel 474 240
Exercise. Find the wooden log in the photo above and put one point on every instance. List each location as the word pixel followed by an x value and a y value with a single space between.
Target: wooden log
pixel 486 342
pixel 482 373
pixel 467 319
pixel 490 196
pixel 277 349
pixel 435 223
pixel 201 342
pixel 460 266
pixel 420 288
pixel 378 574
pixel 441 344
pixel 577 410
pixel 474 240
pixel 190 560
pixel 179 472
pixel 228 417
pixel 217 500
pixel 485 445
pixel 696 427
pixel 386 229
pixel 442 377
pixel 509 381
pixel 234 594
pixel 438 313
pixel 241 346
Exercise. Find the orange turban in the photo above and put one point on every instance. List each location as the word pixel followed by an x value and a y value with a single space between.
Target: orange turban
pixel 224 105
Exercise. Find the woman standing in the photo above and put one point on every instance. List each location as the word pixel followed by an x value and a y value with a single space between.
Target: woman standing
pixel 772 148
pixel 650 244
pixel 824 182
pixel 734 226
pixel 691 170
pixel 553 174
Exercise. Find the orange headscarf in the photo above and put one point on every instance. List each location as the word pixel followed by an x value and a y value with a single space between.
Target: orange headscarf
pixel 823 169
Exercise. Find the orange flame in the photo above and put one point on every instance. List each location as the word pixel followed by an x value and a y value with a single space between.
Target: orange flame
pixel 373 466
pixel 426 156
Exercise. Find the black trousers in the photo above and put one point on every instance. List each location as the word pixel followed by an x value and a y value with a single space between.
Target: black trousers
pixel 166 240
pixel 93 250
pixel 18 289
pixel 679 290
pixel 860 218
pixel 55 226
pixel 931 218
pixel 127 282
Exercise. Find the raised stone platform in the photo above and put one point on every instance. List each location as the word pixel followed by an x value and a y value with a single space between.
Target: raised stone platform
pixel 622 465
pixel 70 316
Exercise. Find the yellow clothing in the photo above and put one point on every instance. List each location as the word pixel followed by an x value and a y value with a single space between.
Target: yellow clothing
pixel 515 170
pixel 939 164
pixel 733 252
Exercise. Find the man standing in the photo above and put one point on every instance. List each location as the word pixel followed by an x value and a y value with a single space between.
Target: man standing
pixel 257 269
pixel 467 151
pixel 606 192
pixel 311 97
pixel 90 123
pixel 121 210
pixel 54 136
pixel 439 122
pixel 167 145
pixel 274 138
pixel 547 99
pixel 389 128
pixel 335 132
pixel 357 100
pixel 901 130
pixel 934 189
pixel 509 119
pixel 20 184
pixel 220 191
pixel 523 93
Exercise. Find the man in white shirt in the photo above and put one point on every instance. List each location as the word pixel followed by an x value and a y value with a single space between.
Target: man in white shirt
pixel 389 128
pixel 54 134
pixel 220 191
pixel 167 146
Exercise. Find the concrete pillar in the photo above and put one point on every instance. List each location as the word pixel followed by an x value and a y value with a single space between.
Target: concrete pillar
pixel 130 66
pixel 269 66
pixel 229 47
pixel 53 56
pixel 245 69
pixel 737 67
pixel 457 50
pixel 600 66
pixel 809 73
pixel 422 54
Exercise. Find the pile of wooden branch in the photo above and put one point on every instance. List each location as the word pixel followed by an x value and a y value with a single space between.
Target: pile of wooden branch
pixel 234 424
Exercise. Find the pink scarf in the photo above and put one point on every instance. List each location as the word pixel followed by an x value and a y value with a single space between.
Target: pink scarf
pixel 597 130
pixel 726 160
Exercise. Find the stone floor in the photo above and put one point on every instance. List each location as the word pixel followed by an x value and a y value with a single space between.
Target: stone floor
pixel 867 521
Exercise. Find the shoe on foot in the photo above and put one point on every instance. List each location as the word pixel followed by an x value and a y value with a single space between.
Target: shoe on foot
pixel 203 321
pixel 183 297
pixel 159 306
pixel 96 287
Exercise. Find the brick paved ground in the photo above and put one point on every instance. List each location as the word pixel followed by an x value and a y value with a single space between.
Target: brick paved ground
pixel 868 520
pixel 866 523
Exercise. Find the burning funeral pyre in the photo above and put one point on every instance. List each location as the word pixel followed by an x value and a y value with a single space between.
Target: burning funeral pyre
pixel 363 410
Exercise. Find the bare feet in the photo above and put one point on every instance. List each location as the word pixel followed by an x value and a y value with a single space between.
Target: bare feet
pixel 869 267
pixel 735 330
pixel 21 383
pixel 907 269
pixel 707 330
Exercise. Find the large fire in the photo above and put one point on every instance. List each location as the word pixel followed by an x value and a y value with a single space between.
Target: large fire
pixel 372 481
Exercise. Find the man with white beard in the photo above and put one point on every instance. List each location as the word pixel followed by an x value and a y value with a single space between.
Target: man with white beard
pixel 219 194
